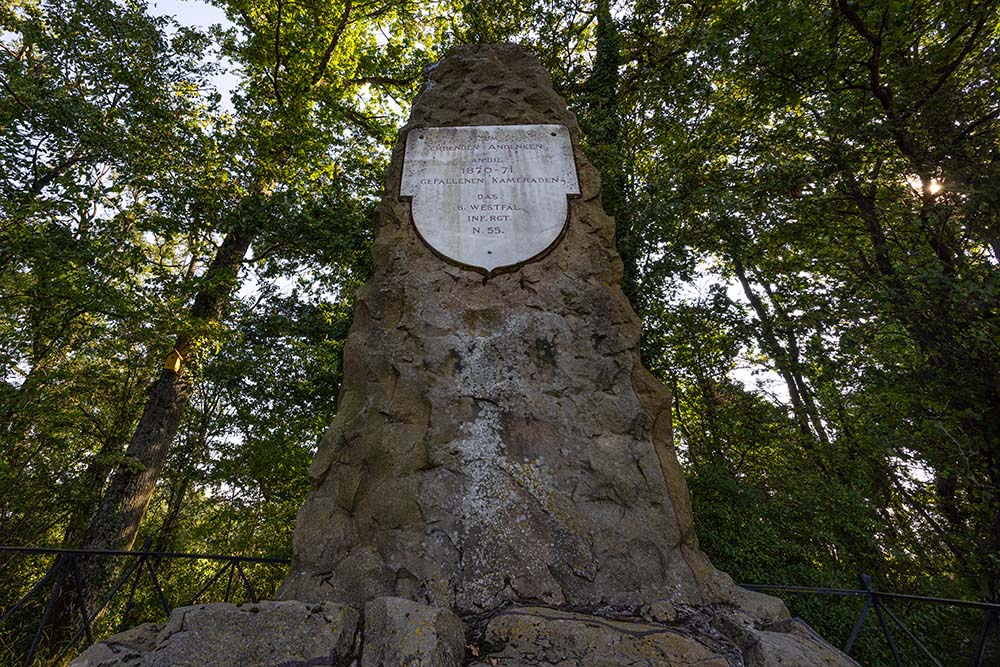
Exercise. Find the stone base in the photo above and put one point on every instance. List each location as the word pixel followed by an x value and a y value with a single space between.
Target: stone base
pixel 400 633
pixel 265 634
pixel 540 637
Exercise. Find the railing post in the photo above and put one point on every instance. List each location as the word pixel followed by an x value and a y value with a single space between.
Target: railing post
pixel 34 589
pixel 866 581
pixel 123 626
pixel 157 588
pixel 81 600
pixel 857 626
pixel 902 626
pixel 208 584
pixel 229 581
pixel 246 582
pixel 67 564
pixel 61 568
pixel 991 617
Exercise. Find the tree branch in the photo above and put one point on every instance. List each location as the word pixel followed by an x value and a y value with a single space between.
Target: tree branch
pixel 382 81
pixel 277 56
pixel 955 62
pixel 13 95
pixel 324 61
pixel 883 93
pixel 39 183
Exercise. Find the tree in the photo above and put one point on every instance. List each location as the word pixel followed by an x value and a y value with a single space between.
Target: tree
pixel 302 66
pixel 81 129
pixel 845 173
pixel 806 201
pixel 823 171
pixel 184 190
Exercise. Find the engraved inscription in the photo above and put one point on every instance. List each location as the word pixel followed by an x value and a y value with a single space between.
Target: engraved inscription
pixel 489 196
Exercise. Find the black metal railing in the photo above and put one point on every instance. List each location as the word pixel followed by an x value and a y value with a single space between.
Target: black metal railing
pixel 63 578
pixel 874 599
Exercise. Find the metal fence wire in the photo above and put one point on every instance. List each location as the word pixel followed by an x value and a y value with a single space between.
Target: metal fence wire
pixel 64 576
pixel 874 599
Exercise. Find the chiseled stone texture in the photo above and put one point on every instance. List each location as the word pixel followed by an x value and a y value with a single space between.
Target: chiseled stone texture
pixel 126 648
pixel 537 637
pixel 498 439
pixel 264 634
pixel 703 636
pixel 792 643
pixel 402 632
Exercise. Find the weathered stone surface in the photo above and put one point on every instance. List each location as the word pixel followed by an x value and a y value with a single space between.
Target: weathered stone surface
pixel 266 634
pixel 124 648
pixel 792 643
pixel 781 643
pixel 498 439
pixel 705 636
pixel 756 605
pixel 661 611
pixel 539 637
pixel 405 633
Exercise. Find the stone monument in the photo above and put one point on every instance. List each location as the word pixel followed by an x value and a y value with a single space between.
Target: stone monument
pixel 499 486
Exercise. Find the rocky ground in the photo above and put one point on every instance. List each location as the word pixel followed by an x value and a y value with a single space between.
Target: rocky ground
pixel 395 632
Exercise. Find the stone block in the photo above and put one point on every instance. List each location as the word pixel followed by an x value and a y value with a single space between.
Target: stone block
pixel 792 643
pixel 123 648
pixel 403 633
pixel 265 634
pixel 539 637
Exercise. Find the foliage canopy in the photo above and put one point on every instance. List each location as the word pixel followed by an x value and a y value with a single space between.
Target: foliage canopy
pixel 808 209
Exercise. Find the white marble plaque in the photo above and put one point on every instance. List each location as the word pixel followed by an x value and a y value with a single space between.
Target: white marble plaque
pixel 489 196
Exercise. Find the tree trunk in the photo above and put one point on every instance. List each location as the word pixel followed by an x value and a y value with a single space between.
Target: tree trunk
pixel 131 487
pixel 604 128
pixel 795 366
pixel 117 521
pixel 192 448
pixel 769 341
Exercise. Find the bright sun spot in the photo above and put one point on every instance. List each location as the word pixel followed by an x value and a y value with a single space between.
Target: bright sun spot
pixel 914 182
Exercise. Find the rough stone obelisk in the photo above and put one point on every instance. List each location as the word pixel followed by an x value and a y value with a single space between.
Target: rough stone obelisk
pixel 499 485
pixel 497 438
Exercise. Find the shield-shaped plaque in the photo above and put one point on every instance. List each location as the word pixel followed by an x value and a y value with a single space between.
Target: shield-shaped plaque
pixel 489 196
